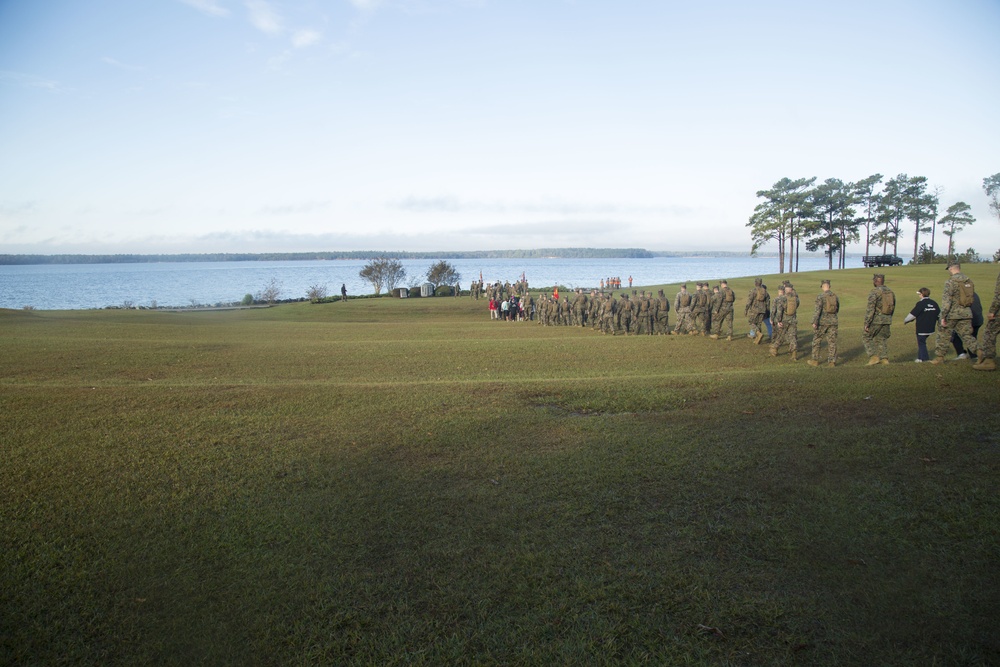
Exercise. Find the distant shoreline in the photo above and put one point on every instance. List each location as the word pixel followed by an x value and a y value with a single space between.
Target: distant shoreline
pixel 539 253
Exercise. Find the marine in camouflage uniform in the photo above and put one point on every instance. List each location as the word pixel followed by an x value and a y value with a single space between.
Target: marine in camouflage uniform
pixel 661 316
pixel 682 306
pixel 625 310
pixel 608 310
pixel 565 310
pixel 876 330
pixel 644 315
pixel 714 308
pixel 988 349
pixel 579 308
pixel 790 321
pixel 725 315
pixel 777 313
pixel 955 318
pixel 758 302
pixel 825 325
pixel 700 309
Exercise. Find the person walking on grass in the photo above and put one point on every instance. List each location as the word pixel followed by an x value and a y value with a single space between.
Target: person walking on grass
pixel 756 310
pixel 878 318
pixel 725 315
pixel 987 351
pixel 926 314
pixel 785 320
pixel 977 323
pixel 956 313
pixel 825 325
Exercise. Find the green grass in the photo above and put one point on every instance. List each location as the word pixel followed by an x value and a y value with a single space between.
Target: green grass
pixel 390 481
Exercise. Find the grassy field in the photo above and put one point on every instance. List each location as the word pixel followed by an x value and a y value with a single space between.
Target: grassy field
pixel 390 481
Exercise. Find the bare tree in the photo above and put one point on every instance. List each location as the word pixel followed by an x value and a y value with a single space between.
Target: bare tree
pixel 316 293
pixel 442 273
pixel 271 291
pixel 383 272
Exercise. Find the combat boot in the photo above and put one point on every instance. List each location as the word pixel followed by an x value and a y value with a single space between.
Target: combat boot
pixel 937 361
pixel 884 361
pixel 813 362
pixel 873 360
pixel 714 336
pixel 795 356
pixel 831 364
pixel 729 337
pixel 774 351
pixel 986 365
pixel 759 337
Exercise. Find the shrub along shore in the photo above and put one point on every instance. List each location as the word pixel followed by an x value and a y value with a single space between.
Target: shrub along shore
pixel 385 481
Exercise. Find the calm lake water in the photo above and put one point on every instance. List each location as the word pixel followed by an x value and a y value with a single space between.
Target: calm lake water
pixel 82 286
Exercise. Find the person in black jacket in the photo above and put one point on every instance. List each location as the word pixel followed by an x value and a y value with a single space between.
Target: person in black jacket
pixel 926 313
pixel 977 321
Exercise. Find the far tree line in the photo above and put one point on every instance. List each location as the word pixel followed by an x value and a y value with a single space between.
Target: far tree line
pixel 834 213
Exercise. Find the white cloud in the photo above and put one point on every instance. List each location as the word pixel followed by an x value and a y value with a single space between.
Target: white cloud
pixel 209 7
pixel 264 18
pixel 304 38
pixel 32 81
pixel 121 65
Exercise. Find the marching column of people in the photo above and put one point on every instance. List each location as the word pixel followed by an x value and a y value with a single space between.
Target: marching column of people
pixel 708 311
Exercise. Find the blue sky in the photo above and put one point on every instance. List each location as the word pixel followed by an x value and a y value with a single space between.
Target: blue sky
pixel 266 125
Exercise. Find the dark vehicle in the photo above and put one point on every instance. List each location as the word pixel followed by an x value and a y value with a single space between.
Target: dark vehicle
pixel 881 260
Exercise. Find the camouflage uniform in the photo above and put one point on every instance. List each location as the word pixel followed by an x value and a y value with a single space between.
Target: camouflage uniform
pixel 825 326
pixel 699 309
pixel 756 310
pixel 661 316
pixel 564 312
pixel 875 334
pixel 579 309
pixel 777 313
pixel 954 318
pixel 625 308
pixel 608 315
pixel 644 318
pixel 714 308
pixel 725 315
pixel 682 306
pixel 790 322
pixel 988 349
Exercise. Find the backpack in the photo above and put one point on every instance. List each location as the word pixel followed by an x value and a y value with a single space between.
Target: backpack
pixel 730 295
pixel 966 291
pixel 685 300
pixel 830 305
pixel 792 305
pixel 888 306
pixel 761 295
